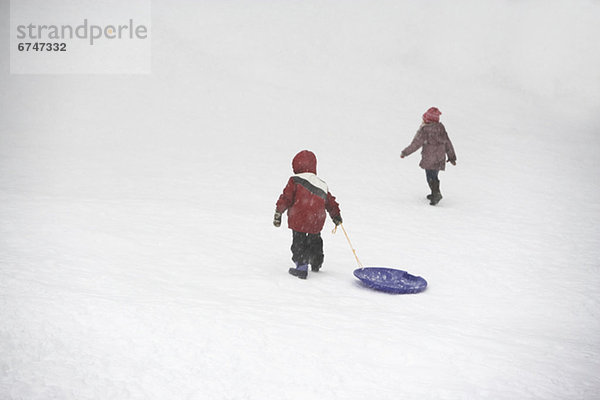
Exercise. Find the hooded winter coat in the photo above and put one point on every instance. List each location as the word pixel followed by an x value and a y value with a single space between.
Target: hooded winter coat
pixel 306 197
pixel 436 145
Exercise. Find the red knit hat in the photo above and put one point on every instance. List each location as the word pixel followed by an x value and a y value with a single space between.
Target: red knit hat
pixel 432 115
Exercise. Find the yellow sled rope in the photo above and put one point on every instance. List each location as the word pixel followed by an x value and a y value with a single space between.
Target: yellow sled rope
pixel 349 242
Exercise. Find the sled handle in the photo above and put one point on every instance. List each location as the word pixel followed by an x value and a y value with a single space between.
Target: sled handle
pixel 350 243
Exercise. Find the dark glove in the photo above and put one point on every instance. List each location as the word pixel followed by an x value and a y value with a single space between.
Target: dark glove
pixel 277 219
pixel 453 162
pixel 337 220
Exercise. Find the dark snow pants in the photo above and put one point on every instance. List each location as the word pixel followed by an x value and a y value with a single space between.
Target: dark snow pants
pixel 432 175
pixel 307 248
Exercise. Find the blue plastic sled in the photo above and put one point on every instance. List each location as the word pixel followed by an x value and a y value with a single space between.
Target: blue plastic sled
pixel 390 280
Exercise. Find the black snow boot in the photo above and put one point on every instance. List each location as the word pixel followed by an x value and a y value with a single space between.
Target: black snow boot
pixel 298 273
pixel 430 183
pixel 436 195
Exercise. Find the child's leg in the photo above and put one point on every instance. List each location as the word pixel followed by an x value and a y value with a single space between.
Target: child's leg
pixel 316 251
pixel 432 178
pixel 432 175
pixel 434 184
pixel 300 248
pixel 300 254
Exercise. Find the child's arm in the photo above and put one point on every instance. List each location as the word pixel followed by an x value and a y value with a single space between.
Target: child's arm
pixel 450 152
pixel 287 197
pixel 285 201
pixel 333 208
pixel 416 143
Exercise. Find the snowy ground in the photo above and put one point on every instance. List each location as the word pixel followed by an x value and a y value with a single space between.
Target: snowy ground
pixel 137 255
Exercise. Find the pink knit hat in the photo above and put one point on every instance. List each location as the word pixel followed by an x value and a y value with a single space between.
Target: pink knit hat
pixel 432 115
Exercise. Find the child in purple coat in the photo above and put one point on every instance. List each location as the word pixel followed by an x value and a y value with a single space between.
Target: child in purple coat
pixel 436 144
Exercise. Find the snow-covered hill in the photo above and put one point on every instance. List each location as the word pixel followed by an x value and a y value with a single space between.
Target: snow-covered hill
pixel 137 255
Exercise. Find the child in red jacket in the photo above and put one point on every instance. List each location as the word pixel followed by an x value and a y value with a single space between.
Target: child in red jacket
pixel 306 198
